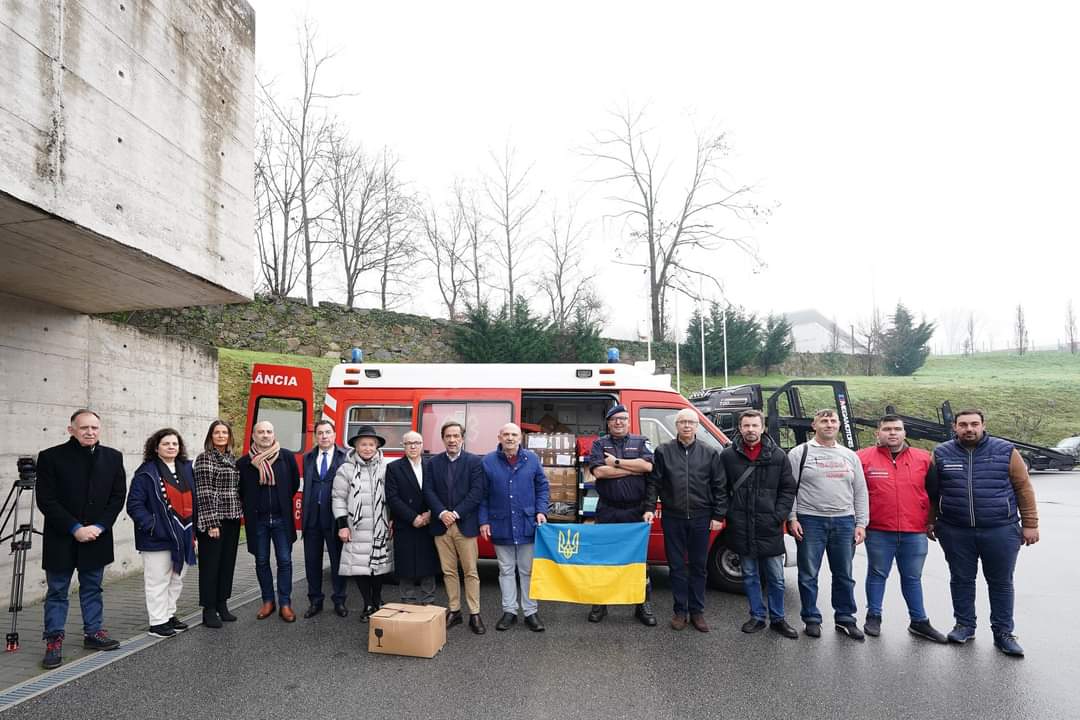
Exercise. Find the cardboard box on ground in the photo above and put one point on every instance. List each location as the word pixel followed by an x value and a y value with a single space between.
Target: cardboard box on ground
pixel 413 630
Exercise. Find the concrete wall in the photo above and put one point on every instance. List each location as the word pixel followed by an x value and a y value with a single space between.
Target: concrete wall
pixel 126 152
pixel 53 361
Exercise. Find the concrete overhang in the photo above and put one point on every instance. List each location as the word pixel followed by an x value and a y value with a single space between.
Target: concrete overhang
pixel 46 258
pixel 127 152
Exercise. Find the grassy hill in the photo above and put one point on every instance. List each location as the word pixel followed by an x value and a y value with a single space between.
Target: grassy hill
pixel 1034 398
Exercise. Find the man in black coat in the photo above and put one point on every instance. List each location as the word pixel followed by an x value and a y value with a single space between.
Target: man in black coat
pixel 415 561
pixel 321 464
pixel 80 491
pixel 761 490
pixel 269 479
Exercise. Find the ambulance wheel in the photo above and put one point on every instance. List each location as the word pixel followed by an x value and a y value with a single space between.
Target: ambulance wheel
pixel 724 571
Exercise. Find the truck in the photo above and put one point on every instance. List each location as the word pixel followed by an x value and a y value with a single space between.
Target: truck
pixel 789 423
pixel 570 399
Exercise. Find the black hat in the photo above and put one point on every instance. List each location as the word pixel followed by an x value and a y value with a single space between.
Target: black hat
pixel 615 409
pixel 366 431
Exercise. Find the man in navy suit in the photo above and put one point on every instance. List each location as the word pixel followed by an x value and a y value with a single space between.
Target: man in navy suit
pixel 321 464
pixel 454 495
pixel 415 561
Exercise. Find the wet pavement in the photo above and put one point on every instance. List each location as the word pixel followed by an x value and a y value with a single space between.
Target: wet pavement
pixel 619 669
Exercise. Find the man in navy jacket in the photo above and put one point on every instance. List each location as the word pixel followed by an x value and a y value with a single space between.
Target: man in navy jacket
pixel 454 495
pixel 321 464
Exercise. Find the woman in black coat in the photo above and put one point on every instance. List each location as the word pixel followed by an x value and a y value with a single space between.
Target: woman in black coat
pixel 761 491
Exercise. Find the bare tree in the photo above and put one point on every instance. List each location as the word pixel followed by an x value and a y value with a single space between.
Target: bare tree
pixel 276 189
pixel 834 338
pixel 672 234
pixel 872 332
pixel 510 206
pixel 567 288
pixel 1070 328
pixel 969 339
pixel 308 128
pixel 397 241
pixel 352 189
pixel 444 248
pixel 1020 331
pixel 479 239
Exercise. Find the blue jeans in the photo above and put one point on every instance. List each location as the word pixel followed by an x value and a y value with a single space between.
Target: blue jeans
pixel 686 543
pixel 909 549
pixel 265 532
pixel 56 601
pixel 835 537
pixel 996 548
pixel 774 579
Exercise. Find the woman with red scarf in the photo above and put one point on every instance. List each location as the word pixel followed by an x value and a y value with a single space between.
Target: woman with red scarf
pixel 161 504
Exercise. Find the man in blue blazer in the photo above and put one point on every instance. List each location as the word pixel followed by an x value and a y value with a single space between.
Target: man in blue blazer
pixel 321 464
pixel 454 495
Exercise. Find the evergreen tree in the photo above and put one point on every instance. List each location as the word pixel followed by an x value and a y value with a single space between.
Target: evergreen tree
pixel 905 345
pixel 529 337
pixel 581 342
pixel 743 338
pixel 691 349
pixel 778 343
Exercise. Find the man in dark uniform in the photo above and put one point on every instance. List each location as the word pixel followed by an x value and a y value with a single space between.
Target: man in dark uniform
pixel 620 463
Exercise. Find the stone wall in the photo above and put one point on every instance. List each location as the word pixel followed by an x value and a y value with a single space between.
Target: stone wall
pixel 331 330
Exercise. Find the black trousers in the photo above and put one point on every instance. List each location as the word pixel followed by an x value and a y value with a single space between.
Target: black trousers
pixel 371 589
pixel 217 562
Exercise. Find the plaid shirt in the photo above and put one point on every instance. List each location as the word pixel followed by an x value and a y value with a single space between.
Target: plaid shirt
pixel 216 496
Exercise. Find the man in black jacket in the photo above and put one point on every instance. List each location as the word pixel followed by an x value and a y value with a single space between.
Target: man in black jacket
pixel 321 464
pixel 761 490
pixel 80 491
pixel 689 479
pixel 269 479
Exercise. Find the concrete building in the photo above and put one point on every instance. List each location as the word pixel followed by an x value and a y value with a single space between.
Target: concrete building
pixel 126 156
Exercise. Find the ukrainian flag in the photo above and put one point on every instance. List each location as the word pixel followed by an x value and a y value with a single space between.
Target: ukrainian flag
pixel 590 564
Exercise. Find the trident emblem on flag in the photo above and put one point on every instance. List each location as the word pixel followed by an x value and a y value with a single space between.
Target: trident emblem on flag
pixel 569 543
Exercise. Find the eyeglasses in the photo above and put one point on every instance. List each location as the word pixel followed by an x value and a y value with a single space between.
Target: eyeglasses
pixel 686 422
pixel 619 419
pixel 412 443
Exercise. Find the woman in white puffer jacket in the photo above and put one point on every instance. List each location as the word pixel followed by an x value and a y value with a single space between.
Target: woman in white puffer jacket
pixel 363 519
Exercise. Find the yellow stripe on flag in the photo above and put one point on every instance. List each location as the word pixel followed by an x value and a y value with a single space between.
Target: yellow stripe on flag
pixel 588 584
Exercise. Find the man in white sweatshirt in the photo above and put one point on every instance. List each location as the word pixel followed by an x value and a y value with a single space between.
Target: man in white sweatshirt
pixel 829 517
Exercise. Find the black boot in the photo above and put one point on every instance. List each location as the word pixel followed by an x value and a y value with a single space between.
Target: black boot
pixel 223 612
pixel 210 618
pixel 644 611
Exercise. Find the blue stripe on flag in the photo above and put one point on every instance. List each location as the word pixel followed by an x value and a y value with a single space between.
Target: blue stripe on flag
pixel 607 544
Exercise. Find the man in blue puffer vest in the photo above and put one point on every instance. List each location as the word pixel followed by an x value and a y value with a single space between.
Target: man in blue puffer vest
pixel 986 510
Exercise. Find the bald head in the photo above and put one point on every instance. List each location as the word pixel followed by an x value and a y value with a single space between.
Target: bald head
pixel 263 434
pixel 510 439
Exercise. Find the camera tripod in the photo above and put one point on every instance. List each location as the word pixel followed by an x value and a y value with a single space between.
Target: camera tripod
pixel 16 507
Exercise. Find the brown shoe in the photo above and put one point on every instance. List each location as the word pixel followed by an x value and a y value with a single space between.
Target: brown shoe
pixel 288 615
pixel 266 610
pixel 678 622
pixel 698 621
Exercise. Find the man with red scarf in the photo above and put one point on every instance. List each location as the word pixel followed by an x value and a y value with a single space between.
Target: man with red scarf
pixel 269 479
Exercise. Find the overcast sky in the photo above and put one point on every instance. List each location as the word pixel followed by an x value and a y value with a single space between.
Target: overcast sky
pixel 921 151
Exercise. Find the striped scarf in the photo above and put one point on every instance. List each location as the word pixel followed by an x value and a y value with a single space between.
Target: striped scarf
pixel 264 461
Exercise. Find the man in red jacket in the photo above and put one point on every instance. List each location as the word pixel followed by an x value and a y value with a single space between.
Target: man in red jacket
pixel 897 476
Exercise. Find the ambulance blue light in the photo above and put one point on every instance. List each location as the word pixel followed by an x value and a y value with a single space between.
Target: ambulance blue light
pixel 613 355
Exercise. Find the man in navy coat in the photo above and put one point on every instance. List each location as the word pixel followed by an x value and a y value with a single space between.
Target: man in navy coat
pixel 415 561
pixel 454 495
pixel 321 464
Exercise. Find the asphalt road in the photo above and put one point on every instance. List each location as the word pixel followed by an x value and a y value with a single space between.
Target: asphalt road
pixel 619 669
